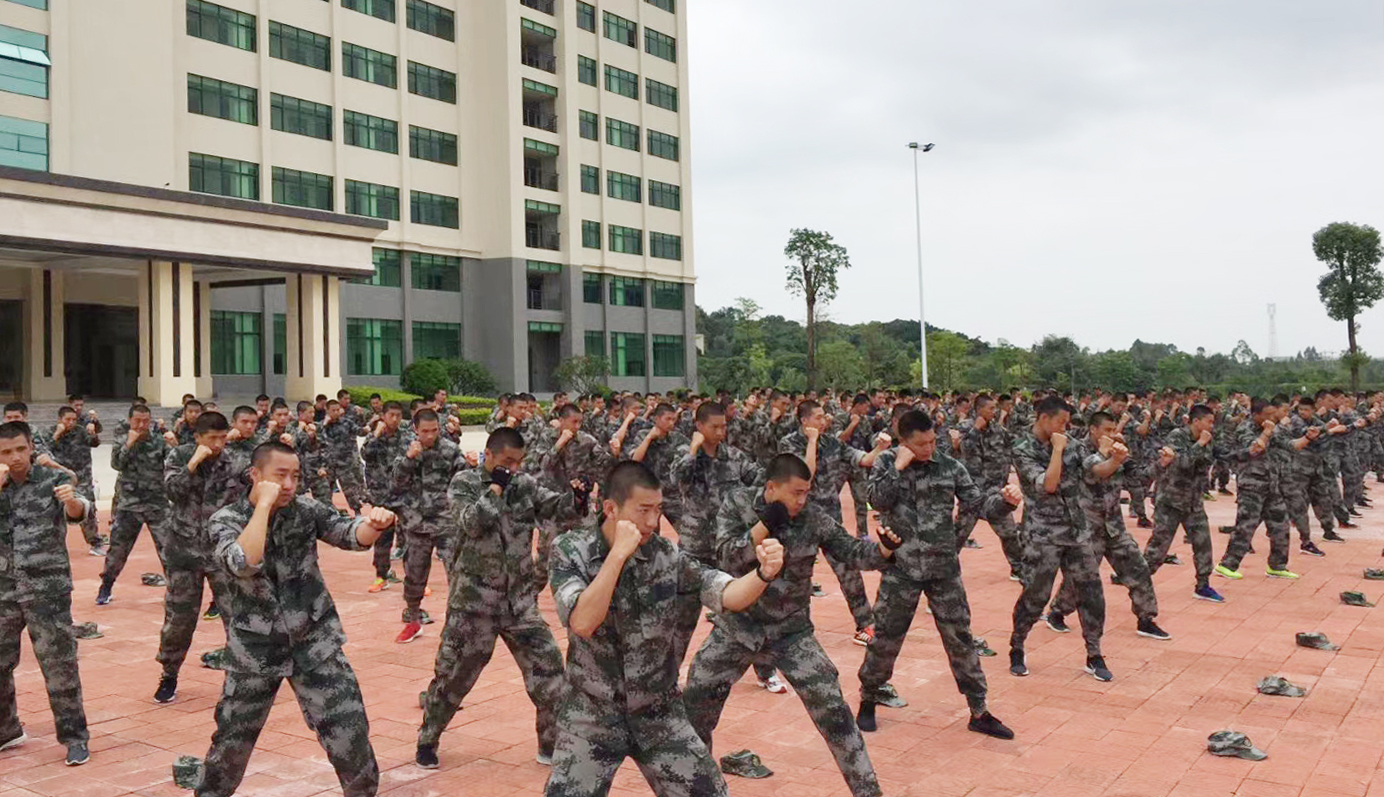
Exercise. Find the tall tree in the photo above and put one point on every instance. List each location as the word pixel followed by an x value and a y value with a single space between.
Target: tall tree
pixel 812 275
pixel 1353 282
pixel 946 355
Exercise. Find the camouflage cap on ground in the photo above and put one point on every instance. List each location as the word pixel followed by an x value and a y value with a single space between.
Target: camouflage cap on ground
pixel 152 580
pixel 1234 744
pixel 187 772
pixel 1374 574
pixel 983 648
pixel 214 659
pixel 1278 685
pixel 745 764
pixel 1315 639
pixel 1350 598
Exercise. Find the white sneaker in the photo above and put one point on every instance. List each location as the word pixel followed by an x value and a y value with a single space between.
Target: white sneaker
pixel 774 684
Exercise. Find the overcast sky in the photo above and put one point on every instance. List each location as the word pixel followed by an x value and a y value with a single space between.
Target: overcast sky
pixel 1108 170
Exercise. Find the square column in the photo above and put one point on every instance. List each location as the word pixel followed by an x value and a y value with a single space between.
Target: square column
pixel 202 338
pixel 313 329
pixel 167 340
pixel 45 369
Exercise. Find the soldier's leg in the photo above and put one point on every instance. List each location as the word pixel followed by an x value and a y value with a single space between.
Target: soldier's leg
pixel 676 763
pixel 11 626
pixel 240 715
pixel 1079 567
pixel 1331 484
pixel 965 525
pixel 1249 508
pixel 1295 499
pixel 1165 523
pixel 353 487
pixel 586 758
pixel 1352 480
pixel 895 605
pixel 332 706
pixel 689 613
pixel 1068 596
pixel 952 614
pixel 818 684
pixel 531 643
pixel 1011 541
pixel 547 532
pixel 1125 558
pixel 1040 570
pixel 321 487
pixel 380 553
pixel 853 590
pixel 717 666
pixel 418 554
pixel 1276 523
pixel 1320 491
pixel 1199 531
pixel 125 526
pixel 182 604
pixel 90 532
pixel 861 501
pixel 468 642
pixel 55 647
pixel 1220 474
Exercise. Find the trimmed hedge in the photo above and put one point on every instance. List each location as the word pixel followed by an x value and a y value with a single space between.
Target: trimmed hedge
pixel 471 406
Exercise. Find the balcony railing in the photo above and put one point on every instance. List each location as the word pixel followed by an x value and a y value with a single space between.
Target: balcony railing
pixel 537 238
pixel 536 58
pixel 540 178
pixel 543 121
pixel 546 6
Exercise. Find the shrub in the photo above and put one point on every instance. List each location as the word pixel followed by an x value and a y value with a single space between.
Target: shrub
pixel 425 377
pixel 361 395
pixel 468 378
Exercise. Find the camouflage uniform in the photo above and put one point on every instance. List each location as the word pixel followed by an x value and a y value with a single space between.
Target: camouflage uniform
pixel 218 482
pixel 1137 473
pixel 73 451
pixel 1259 495
pixel 36 591
pixel 421 486
pixel 659 459
pixel 861 439
pixel 835 461
pixel 1179 503
pixel 777 630
pixel 285 625
pixel 985 453
pixel 492 593
pixel 1222 446
pixel 343 461
pixel 916 505
pixel 582 458
pixel 1055 538
pixel 621 696
pixel 1352 470
pixel 1306 481
pixel 381 456
pixel 140 499
pixel 312 457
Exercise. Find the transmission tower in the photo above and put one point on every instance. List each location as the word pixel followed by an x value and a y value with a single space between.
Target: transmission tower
pixel 1273 332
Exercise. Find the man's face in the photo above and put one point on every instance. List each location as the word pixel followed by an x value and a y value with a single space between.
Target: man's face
pixel 344 400
pixel 1103 429
pixel 245 424
pixel 782 404
pixel 791 493
pixel 191 414
pixel 392 419
pixel 306 416
pixel 1306 411
pixel 922 444
pixel 599 404
pixel 78 404
pixel 508 458
pixel 427 432
pixel 283 470
pixel 14 415
pixel 16 453
pixel 986 411
pixel 1055 423
pixel 1203 424
pixel 570 422
pixel 67 420
pixel 140 422
pixel 262 407
pixel 440 398
pixel 216 441
pixel 666 421
pixel 281 417
pixel 713 430
pixel 1118 407
pixel 816 419
pixel 376 405
pixel 643 508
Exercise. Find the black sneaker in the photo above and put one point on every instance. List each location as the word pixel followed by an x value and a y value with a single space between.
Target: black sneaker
pixel 426 757
pixel 1311 549
pixel 1114 579
pixel 168 689
pixel 1171 559
pixel 1016 663
pixel 544 757
pixel 1095 665
pixel 103 595
pixel 77 754
pixel 1346 524
pixel 1225 491
pixel 988 725
pixel 972 544
pixel 865 717
pixel 1355 512
pixel 1226 529
pixel 1332 536
pixel 1150 629
pixel 1057 622
pixel 1144 523
pixel 14 741
pixel 818 592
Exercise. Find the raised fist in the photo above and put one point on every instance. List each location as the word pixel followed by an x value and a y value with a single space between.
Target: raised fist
pixel 627 539
pixel 414 449
pixel 1012 494
pixel 770 556
pixel 265 494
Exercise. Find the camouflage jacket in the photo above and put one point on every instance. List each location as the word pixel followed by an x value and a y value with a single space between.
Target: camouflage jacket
pixel 1100 499
pixel 140 484
pixel 1263 471
pixel 916 505
pixel 1053 518
pixel 381 455
pixel 283 620
pixel 1308 461
pixel 218 482
pixel 1181 483
pixel 583 456
pixel 784 608
pixel 861 438
pixel 594 424
pixel 72 450
pixel 494 567
pixel 421 484
pixel 338 442
pixel 627 672
pixel 33 537
pixel 835 462
pixel 660 457
pixel 986 453
pixel 312 455
pixel 700 483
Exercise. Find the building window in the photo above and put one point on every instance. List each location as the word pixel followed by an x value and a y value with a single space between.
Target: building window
pixel 667 295
pixel 586 70
pixel 434 210
pixel 23 144
pixel 626 291
pixel 232 101
pixel 208 174
pixel 589 125
pixel 662 145
pixel 41 5
pixel 660 46
pixel 619 29
pixel 627 354
pixel 303 189
pixel 380 9
pixel 235 342
pixel 24 62
pixel 591 286
pixel 303 117
pixel 433 20
pixel 541 148
pixel 624 186
pixel 436 341
pixel 595 343
pixel 665 195
pixel 590 179
pixel 626 84
pixel 546 6
pixel 666 5
pixel 591 234
pixel 374 347
pixel 221 25
pixel 371 132
pixel 661 95
pixel 436 272
pixel 388 267
pixel 668 247
pixel 300 46
pixel 626 240
pixel 669 354
pixel 586 16
pixel 427 81
pixel 372 66
pixel 280 344
pixel 369 199
pixel 432 145
pixel 622 134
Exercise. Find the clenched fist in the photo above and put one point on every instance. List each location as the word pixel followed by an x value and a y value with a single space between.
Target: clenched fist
pixel 770 556
pixel 265 494
pixel 414 449
pixel 379 517
pixel 1059 441
pixel 627 539
pixel 904 458
pixel 1012 494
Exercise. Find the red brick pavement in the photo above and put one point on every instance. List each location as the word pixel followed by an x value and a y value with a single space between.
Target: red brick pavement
pixel 1142 735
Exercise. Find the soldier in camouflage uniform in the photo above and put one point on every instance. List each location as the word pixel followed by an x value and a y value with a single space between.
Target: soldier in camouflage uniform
pixel 421 480
pixel 491 593
pixel 573 455
pixel 1260 456
pixel 338 438
pixel 657 447
pixel 857 431
pixel 36 504
pixel 1222 443
pixel 1101 468
pixel 383 448
pixel 616 584
pixel 1184 460
pixel 201 478
pixel 69 443
pixel 1055 534
pixel 285 625
pixel 915 486
pixel 985 448
pixel 140 498
pixel 1306 478
pixel 312 456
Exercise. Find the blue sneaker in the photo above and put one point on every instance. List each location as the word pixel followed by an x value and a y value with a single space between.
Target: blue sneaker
pixel 1207 594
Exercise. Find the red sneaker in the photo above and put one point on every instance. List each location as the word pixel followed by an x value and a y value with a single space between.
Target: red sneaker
pixel 411 632
pixel 864 636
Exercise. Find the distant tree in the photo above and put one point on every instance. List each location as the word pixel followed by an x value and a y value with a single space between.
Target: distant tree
pixel 946 352
pixel 817 261
pixel 586 374
pixel 1243 354
pixel 1352 282
pixel 840 366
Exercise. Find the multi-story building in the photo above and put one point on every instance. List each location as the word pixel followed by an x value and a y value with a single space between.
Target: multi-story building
pixel 529 157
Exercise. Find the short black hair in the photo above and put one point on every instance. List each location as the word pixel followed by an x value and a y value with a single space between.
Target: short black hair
pixel 210 422
pixel 1050 406
pixel 708 410
pixel 1306 401
pixel 391 406
pixel 503 438
pixel 1198 411
pixel 243 411
pixel 568 410
pixel 983 400
pixel 1257 405
pixel 261 397
pixel 662 409
pixel 13 429
pixel 860 398
pixel 784 467
pixel 138 408
pixel 65 410
pixel 76 397
pixel 805 409
pixel 305 405
pixel 343 393
pixel 914 422
pixel 425 415
pixel 278 402
pixel 622 479
pixel 374 396
pixel 192 403
pixel 1098 418
pixel 264 450
pixel 17 406
pixel 320 397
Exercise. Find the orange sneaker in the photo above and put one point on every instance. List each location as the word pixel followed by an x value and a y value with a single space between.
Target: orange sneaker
pixel 411 632
pixel 427 592
pixel 379 585
pixel 864 636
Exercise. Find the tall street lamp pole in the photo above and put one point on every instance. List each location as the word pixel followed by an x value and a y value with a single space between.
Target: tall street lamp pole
pixel 918 212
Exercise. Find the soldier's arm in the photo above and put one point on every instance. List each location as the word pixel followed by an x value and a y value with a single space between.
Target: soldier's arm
pixel 477 508
pixel 989 504
pixel 720 592
pixel 582 606
pixel 404 475
pixel 176 478
pixel 1033 471
pixel 680 470
pixel 736 536
pixel 226 530
pixel 337 530
pixel 556 505
pixel 849 551
pixel 884 486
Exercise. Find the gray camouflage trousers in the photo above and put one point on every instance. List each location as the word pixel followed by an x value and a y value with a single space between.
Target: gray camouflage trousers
pixel 1166 519
pixel 1301 490
pixel 1042 561
pixel 1252 507
pixel 329 697
pixel 49 621
pixel 421 539
pixel 1011 541
pixel 125 526
pixel 1125 558
pixel 182 605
